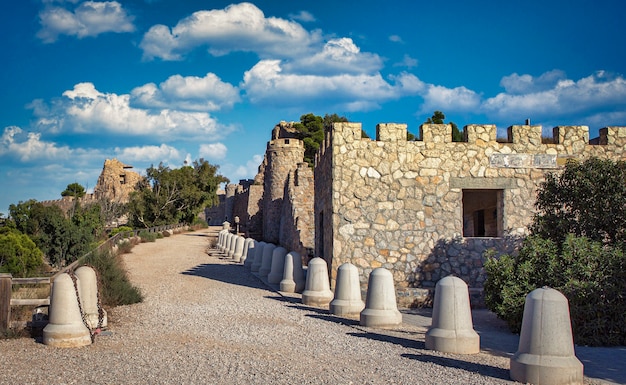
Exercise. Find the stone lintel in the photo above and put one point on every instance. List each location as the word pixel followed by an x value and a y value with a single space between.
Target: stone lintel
pixel 483 183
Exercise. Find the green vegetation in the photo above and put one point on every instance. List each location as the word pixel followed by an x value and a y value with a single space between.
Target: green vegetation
pixel 121 229
pixel 146 236
pixel 113 285
pixel 18 253
pixel 62 239
pixel 311 132
pixel 577 246
pixel 174 195
pixel 75 190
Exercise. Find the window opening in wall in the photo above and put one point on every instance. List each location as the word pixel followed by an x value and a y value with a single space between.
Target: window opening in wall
pixel 123 179
pixel 482 213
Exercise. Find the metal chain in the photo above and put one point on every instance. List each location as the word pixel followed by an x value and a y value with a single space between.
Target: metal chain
pixel 80 307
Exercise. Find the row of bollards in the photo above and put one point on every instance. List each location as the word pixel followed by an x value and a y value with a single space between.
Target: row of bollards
pixel 74 310
pixel 545 353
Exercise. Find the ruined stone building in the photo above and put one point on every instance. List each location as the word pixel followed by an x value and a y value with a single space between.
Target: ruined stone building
pixel 430 208
pixel 277 206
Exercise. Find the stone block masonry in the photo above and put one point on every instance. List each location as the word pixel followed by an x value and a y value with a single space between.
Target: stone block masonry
pixel 430 208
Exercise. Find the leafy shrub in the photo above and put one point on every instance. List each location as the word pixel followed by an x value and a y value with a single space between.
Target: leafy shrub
pixel 577 246
pixel 18 253
pixel 113 285
pixel 121 229
pixel 590 275
pixel 125 246
pixel 146 236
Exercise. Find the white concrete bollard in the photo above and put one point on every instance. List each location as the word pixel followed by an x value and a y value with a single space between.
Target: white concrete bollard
pixel 252 249
pixel 266 260
pixel 317 288
pixel 293 274
pixel 545 354
pixel 258 257
pixel 247 245
pixel 220 239
pixel 89 297
pixel 381 309
pixel 347 299
pixel 239 241
pixel 227 239
pixel 226 226
pixel 452 330
pixel 231 245
pixel 65 328
pixel 278 265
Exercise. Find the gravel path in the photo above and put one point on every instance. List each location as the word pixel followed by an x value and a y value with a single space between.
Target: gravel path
pixel 206 320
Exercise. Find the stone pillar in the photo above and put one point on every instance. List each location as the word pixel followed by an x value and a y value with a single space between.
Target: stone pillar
pixel 546 348
pixel 452 330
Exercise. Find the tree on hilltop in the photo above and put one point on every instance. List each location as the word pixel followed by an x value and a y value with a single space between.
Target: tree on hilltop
pixel 75 190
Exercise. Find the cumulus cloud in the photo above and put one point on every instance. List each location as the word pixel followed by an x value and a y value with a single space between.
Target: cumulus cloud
pixel 407 62
pixel 189 93
pixel 28 146
pixel 338 56
pixel 265 83
pixel 552 95
pixel 238 27
pixel 149 154
pixel 396 39
pixel 448 99
pixel 90 18
pixel 303 16
pixel 84 109
pixel 248 170
pixel 213 151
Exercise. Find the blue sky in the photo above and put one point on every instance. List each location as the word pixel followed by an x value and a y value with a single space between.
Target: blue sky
pixel 149 81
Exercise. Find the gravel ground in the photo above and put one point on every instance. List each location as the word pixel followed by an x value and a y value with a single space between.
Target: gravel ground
pixel 206 320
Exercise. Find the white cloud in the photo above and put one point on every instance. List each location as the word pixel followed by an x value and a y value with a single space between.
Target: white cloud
pixel 190 93
pixel 85 109
pixel 449 99
pixel 242 171
pixel 338 56
pixel 149 154
pixel 265 83
pixel 238 27
pixel 213 151
pixel 407 62
pixel 396 39
pixel 564 98
pixel 90 18
pixel 28 146
pixel 303 16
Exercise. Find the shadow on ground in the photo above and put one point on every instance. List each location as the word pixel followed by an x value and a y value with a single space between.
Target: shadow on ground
pixel 231 273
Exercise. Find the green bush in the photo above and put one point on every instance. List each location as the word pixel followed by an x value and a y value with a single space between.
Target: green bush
pixel 18 253
pixel 113 285
pixel 121 229
pixel 590 275
pixel 125 246
pixel 147 236
pixel 577 246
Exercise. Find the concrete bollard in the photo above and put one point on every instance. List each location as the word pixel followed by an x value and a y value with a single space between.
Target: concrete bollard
pixel 347 299
pixel 317 288
pixel 247 245
pixel 239 241
pixel 278 265
pixel 266 260
pixel 545 354
pixel 65 328
pixel 252 249
pixel 88 291
pixel 452 330
pixel 293 274
pixel 381 309
pixel 227 239
pixel 220 239
pixel 226 226
pixel 231 245
pixel 258 257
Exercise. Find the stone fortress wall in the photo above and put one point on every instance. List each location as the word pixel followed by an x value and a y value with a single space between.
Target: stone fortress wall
pixel 430 208
pixel 277 205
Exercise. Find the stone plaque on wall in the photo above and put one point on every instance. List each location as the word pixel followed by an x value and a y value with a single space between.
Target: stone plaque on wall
pixel 522 161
